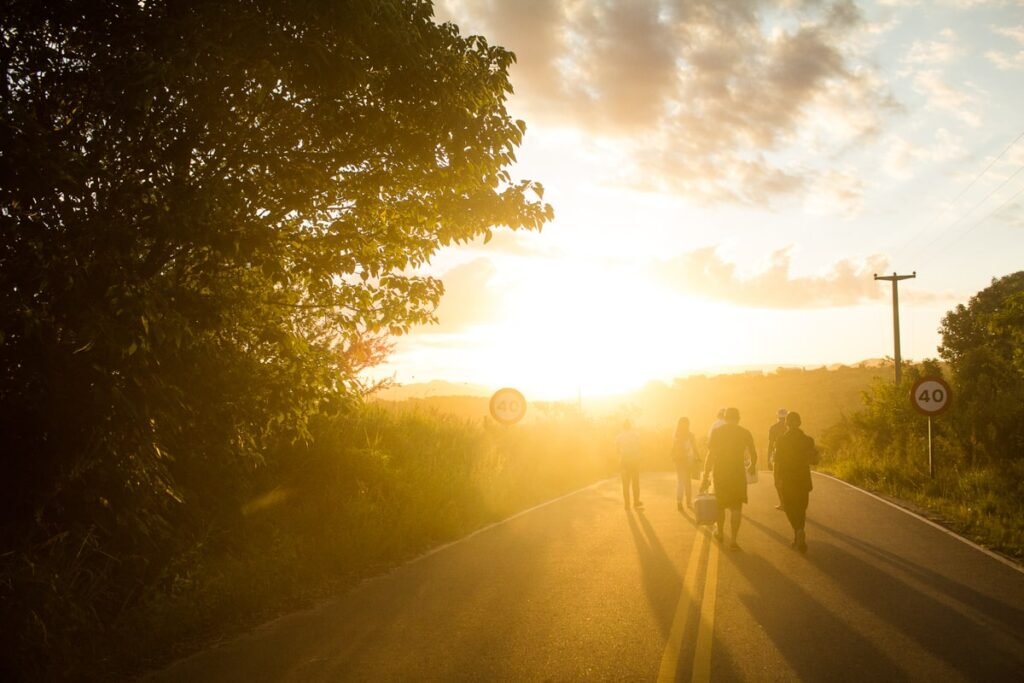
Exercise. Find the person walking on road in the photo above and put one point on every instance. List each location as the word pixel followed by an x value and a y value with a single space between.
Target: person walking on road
pixel 719 421
pixel 627 443
pixel 726 463
pixel 684 455
pixel 774 432
pixel 794 455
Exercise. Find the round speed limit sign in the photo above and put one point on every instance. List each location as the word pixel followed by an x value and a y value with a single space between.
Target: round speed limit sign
pixel 930 395
pixel 508 406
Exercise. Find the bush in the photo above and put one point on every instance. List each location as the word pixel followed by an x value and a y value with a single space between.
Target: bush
pixel 372 488
pixel 887 454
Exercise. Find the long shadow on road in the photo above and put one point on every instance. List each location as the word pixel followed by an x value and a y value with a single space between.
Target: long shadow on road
pixel 817 644
pixel 661 580
pixel 1008 616
pixel 976 649
pixel 979 650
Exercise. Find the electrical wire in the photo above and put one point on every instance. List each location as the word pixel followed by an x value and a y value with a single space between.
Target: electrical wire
pixel 991 213
pixel 960 194
pixel 942 234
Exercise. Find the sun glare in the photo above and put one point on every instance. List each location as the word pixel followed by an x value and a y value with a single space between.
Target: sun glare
pixel 573 331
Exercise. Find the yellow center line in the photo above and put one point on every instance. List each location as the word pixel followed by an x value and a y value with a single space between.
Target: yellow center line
pixel 670 658
pixel 702 652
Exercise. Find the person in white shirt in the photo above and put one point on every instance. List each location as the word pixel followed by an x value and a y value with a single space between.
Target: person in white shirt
pixel 627 443
pixel 719 421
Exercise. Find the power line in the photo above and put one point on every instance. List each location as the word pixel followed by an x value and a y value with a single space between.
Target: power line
pixel 973 208
pixel 960 194
pixel 991 213
pixel 979 176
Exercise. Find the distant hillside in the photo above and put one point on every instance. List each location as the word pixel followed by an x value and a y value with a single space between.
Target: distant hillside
pixel 402 392
pixel 822 396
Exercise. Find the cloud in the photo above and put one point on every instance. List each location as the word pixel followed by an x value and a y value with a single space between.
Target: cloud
pixel 1015 32
pixel 902 157
pixel 705 273
pixel 468 297
pixel 942 51
pixel 1008 60
pixel 835 192
pixel 940 95
pixel 706 92
pixel 969 4
pixel 1012 214
pixel 533 29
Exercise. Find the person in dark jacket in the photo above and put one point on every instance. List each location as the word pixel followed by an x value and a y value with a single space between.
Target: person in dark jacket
pixel 795 452
pixel 776 430
pixel 728 450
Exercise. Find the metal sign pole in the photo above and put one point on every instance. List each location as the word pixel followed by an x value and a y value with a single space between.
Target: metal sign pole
pixel 930 396
pixel 931 463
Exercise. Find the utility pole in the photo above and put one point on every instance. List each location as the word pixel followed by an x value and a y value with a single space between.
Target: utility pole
pixel 894 279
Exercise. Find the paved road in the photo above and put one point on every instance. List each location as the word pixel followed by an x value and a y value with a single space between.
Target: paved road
pixel 580 589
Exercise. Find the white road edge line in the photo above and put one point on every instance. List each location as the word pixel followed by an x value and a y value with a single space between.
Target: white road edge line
pixel 490 526
pixel 1008 562
pixel 257 629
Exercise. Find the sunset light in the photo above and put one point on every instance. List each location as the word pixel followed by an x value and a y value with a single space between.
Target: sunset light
pixel 512 340
pixel 707 229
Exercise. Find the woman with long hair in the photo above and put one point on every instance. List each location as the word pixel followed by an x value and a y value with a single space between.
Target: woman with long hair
pixel 684 455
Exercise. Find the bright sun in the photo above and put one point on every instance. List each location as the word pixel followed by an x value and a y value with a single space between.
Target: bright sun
pixel 573 331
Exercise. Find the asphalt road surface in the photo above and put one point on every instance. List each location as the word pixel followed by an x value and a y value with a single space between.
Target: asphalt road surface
pixel 581 589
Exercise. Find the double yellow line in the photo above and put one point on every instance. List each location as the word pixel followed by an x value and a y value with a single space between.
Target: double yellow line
pixel 670 659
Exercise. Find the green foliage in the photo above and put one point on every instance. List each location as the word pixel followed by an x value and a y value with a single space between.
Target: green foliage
pixel 210 222
pixel 983 502
pixel 982 342
pixel 888 418
pixel 372 488
pixel 978 487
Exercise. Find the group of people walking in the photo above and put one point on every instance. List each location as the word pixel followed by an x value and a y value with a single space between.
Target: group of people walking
pixel 730 464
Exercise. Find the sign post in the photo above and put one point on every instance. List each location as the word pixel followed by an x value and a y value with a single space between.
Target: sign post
pixel 930 396
pixel 508 406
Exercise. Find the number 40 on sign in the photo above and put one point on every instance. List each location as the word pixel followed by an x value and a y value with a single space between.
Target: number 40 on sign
pixel 930 396
pixel 508 406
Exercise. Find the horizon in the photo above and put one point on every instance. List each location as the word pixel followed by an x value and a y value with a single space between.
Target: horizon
pixel 726 185
pixel 426 388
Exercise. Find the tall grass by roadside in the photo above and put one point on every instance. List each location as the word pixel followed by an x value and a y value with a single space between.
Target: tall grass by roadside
pixel 370 490
pixel 984 502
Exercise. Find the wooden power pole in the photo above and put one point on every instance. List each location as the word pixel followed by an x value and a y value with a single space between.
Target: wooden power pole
pixel 894 279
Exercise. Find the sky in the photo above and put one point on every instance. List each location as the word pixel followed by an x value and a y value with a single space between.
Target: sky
pixel 727 176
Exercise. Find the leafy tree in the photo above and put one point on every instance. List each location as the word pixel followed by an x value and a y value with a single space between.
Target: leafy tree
pixel 982 343
pixel 212 215
pixel 888 423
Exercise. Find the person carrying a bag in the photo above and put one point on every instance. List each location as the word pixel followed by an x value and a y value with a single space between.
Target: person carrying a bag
pixel 728 449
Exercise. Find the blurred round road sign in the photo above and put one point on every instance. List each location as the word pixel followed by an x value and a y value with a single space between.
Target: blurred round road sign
pixel 508 406
pixel 930 395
